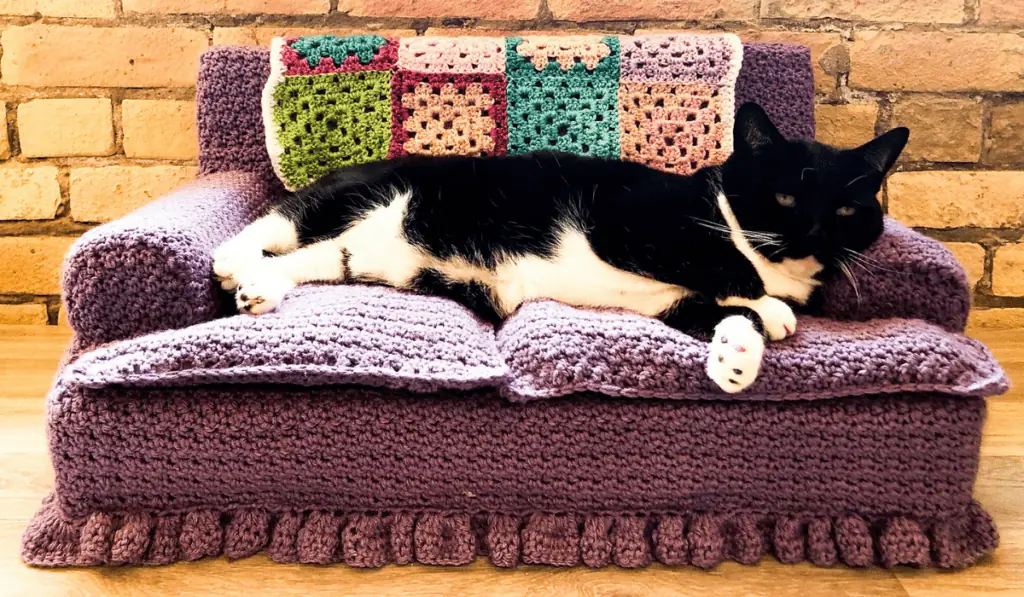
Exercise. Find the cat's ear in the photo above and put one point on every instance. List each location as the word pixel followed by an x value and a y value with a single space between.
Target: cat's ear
pixel 754 129
pixel 881 152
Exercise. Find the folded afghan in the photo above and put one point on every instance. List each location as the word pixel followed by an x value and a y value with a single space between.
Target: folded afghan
pixel 663 100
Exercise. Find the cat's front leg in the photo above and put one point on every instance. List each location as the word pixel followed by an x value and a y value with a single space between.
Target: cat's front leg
pixel 737 339
pixel 777 317
pixel 735 353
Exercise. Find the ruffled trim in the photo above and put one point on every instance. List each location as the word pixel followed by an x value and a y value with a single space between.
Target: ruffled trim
pixel 451 539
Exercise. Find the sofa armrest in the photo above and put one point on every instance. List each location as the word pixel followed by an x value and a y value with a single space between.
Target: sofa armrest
pixel 906 275
pixel 151 270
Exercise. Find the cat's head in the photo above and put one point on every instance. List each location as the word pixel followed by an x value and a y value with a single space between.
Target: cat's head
pixel 815 200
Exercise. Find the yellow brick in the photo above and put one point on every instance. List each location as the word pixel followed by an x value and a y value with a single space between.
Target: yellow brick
pixel 23 314
pixel 943 199
pixel 159 129
pixel 1006 135
pixel 5 145
pixel 941 129
pixel 909 11
pixel 1008 270
pixel 261 36
pixel 231 7
pixel 28 192
pixel 502 11
pixel 937 61
pixel 996 319
pixel 1002 11
pixel 845 126
pixel 624 10
pixel 107 193
pixel 99 9
pixel 31 264
pixel 66 127
pixel 53 55
pixel 460 32
pixel 972 257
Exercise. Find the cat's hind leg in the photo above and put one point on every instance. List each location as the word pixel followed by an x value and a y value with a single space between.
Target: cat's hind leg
pixel 473 295
pixel 262 287
pixel 274 232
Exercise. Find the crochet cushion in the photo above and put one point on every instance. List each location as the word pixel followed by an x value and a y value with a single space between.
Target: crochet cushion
pixel 320 335
pixel 326 335
pixel 663 100
pixel 555 350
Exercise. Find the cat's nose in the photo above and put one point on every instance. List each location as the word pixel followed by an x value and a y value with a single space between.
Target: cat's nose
pixel 815 231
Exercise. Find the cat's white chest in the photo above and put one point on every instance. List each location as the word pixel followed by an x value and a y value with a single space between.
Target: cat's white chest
pixel 789 278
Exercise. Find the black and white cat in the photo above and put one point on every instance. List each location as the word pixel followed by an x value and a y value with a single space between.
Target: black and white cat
pixel 715 254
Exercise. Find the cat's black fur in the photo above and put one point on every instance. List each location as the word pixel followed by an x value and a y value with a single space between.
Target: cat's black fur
pixel 636 218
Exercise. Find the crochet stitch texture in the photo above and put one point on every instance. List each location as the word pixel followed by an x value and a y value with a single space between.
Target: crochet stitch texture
pixel 666 101
pixel 366 426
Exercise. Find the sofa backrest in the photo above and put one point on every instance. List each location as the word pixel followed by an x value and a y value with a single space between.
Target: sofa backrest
pixel 231 80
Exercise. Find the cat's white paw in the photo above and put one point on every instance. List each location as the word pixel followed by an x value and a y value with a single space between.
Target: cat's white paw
pixel 231 260
pixel 735 354
pixel 261 291
pixel 777 317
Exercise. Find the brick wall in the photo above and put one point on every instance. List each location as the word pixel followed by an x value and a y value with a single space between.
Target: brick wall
pixel 98 99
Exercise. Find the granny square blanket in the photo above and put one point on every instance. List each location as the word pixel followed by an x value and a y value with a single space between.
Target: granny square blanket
pixel 663 100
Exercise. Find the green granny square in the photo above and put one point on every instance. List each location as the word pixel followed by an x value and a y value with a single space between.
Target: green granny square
pixel 324 122
pixel 568 104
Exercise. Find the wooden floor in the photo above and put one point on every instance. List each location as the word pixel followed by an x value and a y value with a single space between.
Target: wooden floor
pixel 28 356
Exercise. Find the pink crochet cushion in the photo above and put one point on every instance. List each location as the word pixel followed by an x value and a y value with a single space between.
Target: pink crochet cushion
pixel 555 350
pixel 321 335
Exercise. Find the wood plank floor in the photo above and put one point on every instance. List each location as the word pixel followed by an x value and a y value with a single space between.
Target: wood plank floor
pixel 29 355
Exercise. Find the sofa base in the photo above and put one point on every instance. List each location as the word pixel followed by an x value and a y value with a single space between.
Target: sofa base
pixel 628 540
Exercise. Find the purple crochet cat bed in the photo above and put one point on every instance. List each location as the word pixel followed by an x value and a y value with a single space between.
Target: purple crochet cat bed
pixel 367 426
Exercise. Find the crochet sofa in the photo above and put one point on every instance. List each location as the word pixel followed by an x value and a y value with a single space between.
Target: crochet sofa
pixel 367 426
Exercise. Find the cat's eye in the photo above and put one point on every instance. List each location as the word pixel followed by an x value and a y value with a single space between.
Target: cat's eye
pixel 846 210
pixel 785 200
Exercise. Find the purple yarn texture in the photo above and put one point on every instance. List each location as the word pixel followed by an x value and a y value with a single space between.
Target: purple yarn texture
pixel 555 350
pixel 325 335
pixel 777 76
pixel 150 270
pixel 366 426
pixel 293 457
pixel 320 335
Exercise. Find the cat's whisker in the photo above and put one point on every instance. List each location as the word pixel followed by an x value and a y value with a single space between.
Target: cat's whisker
pixel 871 261
pixel 767 243
pixel 865 268
pixel 868 263
pixel 864 263
pixel 750 234
pixel 849 276
pixel 856 179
